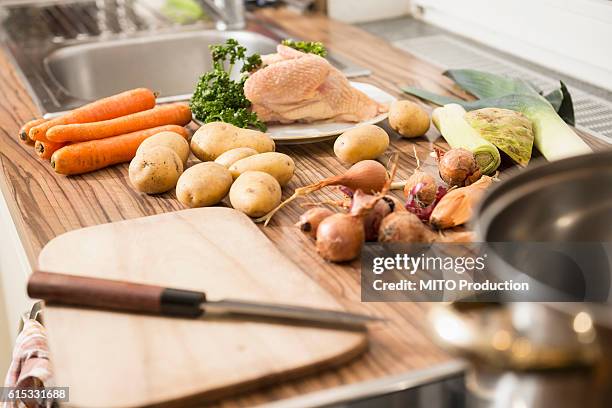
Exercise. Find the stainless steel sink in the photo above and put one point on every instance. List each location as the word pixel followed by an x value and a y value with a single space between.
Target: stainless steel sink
pixel 82 50
pixel 169 64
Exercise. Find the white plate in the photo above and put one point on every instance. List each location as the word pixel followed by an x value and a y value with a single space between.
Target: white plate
pixel 298 133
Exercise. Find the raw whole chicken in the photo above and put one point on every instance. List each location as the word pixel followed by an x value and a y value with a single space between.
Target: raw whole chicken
pixel 296 87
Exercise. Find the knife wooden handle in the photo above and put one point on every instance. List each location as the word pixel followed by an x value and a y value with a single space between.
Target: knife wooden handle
pixel 73 290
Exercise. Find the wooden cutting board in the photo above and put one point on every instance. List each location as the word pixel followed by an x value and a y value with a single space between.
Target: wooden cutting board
pixel 119 360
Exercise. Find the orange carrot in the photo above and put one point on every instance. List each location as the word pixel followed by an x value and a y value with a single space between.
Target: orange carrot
pixel 24 132
pixel 45 150
pixel 115 106
pixel 88 156
pixel 173 114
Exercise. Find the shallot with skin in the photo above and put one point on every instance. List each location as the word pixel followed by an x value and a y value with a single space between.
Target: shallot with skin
pixel 367 175
pixel 340 237
pixel 458 167
pixel 385 205
pixel 404 227
pixel 415 206
pixel 420 185
pixel 456 207
pixel 310 220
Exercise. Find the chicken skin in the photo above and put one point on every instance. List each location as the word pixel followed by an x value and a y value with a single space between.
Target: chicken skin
pixel 297 87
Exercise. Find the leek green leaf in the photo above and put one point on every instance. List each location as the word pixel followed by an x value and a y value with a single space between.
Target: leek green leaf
pixel 555 98
pixel 432 97
pixel 486 85
pixel 566 109
pixel 510 101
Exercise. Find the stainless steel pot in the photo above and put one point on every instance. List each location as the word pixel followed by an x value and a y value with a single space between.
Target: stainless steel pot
pixel 533 348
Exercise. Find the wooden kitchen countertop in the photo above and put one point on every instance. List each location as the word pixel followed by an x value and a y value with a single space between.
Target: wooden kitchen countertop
pixel 45 205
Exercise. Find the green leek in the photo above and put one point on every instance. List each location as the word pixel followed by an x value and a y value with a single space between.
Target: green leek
pixel 451 123
pixel 553 137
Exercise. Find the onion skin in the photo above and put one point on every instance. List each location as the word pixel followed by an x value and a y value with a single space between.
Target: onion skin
pixel 458 167
pixel 310 220
pixel 424 213
pixel 359 200
pixel 340 237
pixel 404 227
pixel 423 186
pixel 374 216
pixel 372 221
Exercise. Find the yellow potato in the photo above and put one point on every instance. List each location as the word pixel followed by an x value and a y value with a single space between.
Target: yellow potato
pixel 156 170
pixel 408 119
pixel 362 143
pixel 232 156
pixel 171 140
pixel 215 138
pixel 203 185
pixel 278 165
pixel 255 193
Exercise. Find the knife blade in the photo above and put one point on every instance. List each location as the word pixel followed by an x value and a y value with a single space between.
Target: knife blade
pixel 105 294
pixel 281 311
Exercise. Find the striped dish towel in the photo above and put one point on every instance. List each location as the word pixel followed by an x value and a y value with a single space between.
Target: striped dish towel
pixel 30 367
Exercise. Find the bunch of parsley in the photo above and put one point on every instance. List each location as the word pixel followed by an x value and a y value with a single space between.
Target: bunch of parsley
pixel 218 97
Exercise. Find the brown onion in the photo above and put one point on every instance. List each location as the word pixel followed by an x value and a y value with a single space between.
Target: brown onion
pixel 310 220
pixel 458 167
pixel 340 237
pixel 404 227
pixel 423 186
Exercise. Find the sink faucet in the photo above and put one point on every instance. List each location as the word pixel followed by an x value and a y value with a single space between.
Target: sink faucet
pixel 229 14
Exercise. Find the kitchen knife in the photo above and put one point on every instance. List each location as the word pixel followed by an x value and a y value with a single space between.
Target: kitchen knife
pixel 80 291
